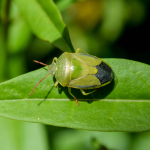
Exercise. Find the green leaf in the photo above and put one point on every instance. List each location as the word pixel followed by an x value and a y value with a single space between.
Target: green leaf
pixel 124 104
pixel 18 135
pixel 45 22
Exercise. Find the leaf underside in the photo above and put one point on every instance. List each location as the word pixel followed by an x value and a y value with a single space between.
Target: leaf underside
pixel 45 22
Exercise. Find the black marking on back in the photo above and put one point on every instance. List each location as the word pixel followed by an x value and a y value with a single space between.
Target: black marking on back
pixel 104 73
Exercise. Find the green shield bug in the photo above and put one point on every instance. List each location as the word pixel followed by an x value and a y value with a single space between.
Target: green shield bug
pixel 79 70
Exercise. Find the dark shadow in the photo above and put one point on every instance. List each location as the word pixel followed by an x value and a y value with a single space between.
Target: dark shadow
pixel 100 93
pixel 46 96
pixel 106 90
pixel 89 101
pixel 45 69
pixel 60 88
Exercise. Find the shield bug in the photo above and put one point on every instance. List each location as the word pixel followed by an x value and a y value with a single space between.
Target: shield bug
pixel 79 70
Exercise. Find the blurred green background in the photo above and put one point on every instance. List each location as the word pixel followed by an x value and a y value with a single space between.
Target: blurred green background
pixel 104 28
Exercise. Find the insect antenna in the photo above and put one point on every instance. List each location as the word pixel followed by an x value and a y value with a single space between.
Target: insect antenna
pixel 40 63
pixel 39 82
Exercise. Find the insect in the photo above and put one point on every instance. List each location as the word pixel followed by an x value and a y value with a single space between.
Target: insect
pixel 79 70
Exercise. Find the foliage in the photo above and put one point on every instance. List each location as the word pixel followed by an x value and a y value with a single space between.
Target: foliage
pixel 103 28
pixel 124 105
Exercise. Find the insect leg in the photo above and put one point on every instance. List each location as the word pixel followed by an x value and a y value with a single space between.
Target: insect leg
pixel 84 93
pixel 80 51
pixel 56 83
pixel 69 90
pixel 54 60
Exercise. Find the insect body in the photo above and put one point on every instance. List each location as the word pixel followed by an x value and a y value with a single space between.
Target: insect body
pixel 79 70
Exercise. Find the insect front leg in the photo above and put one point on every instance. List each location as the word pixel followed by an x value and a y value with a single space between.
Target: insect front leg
pixel 56 84
pixel 69 90
pixel 79 50
pixel 54 59
pixel 84 93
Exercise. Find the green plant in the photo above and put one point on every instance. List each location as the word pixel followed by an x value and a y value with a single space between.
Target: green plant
pixel 121 106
